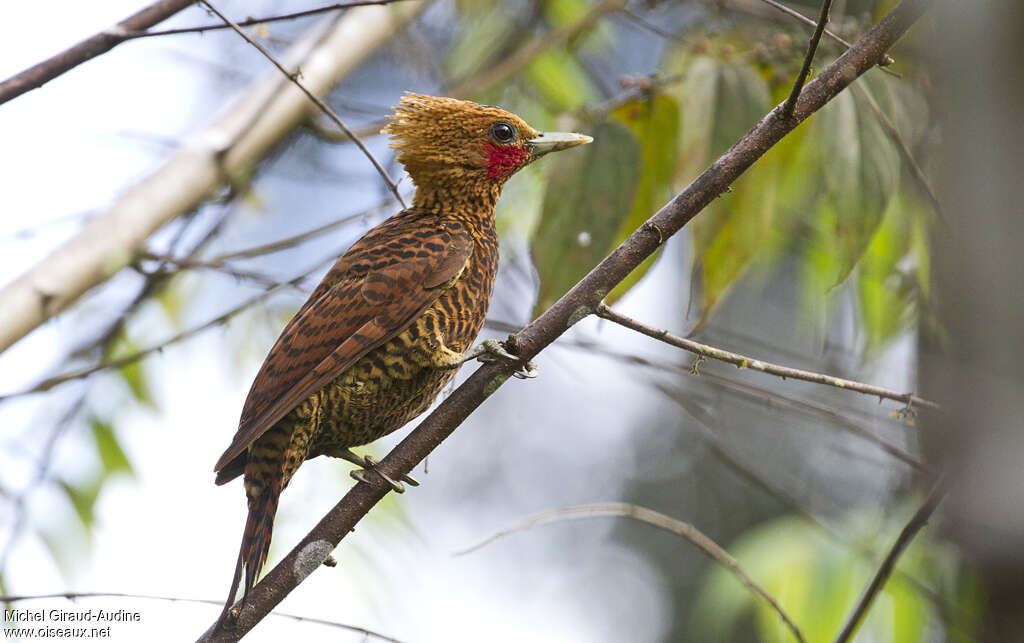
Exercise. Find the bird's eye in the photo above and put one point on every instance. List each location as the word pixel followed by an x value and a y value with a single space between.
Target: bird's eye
pixel 503 132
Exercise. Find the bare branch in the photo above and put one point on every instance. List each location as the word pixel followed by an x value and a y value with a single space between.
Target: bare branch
pixel 249 22
pixel 577 304
pixel 260 119
pixel 294 77
pixel 660 520
pixel 74 596
pixel 812 47
pixel 917 521
pixel 100 43
pixel 741 361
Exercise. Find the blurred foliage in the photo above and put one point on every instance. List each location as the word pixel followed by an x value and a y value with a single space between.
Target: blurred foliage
pixel 817 580
pixel 587 201
pixel 824 192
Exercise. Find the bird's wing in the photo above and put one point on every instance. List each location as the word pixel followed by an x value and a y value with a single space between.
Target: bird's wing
pixel 377 289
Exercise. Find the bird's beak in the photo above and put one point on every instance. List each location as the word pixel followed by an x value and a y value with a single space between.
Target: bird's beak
pixel 554 141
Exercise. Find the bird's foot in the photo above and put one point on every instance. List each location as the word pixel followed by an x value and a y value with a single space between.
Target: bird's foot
pixel 369 463
pixel 491 350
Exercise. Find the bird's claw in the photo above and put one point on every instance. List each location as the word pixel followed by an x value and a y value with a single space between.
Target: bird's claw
pixel 360 475
pixel 527 372
pixel 491 350
pixel 370 463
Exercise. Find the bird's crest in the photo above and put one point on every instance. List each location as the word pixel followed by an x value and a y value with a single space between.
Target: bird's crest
pixel 445 139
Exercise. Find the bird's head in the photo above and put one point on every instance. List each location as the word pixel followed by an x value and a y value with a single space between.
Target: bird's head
pixel 451 143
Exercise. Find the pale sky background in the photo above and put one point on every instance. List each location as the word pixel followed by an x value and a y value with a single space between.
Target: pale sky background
pixel 72 147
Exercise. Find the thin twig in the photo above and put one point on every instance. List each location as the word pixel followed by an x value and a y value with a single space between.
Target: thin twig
pixel 917 521
pixel 653 28
pixel 894 135
pixel 812 47
pixel 95 45
pixel 882 64
pixel 574 306
pixel 84 372
pixel 294 77
pixel 248 22
pixel 288 242
pixel 74 596
pixel 214 264
pixel 742 389
pixel 660 520
pixel 741 361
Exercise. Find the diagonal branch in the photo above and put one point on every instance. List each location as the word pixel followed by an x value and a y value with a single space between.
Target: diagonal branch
pixel 917 521
pixel 660 520
pixel 741 361
pixel 294 77
pixel 812 47
pixel 249 22
pixel 95 45
pixel 577 304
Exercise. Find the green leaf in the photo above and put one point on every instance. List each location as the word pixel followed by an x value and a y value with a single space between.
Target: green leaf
pixel 132 374
pixel 861 168
pixel 59 549
pixel 135 378
pixel 558 76
pixel 741 98
pixel 817 580
pixel 589 194
pixel 887 296
pixel 478 42
pixel 111 455
pixel 720 100
pixel 655 124
pixel 83 499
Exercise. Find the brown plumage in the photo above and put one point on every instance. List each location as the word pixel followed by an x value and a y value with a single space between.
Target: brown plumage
pixel 389 324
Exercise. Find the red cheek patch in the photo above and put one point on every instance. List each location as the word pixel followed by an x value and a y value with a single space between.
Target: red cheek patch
pixel 502 161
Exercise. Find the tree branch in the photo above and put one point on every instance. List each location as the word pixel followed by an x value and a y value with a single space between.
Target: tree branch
pixel 249 22
pixel 258 121
pixel 660 520
pixel 95 45
pixel 917 521
pixel 294 77
pixel 577 304
pixel 812 47
pixel 740 361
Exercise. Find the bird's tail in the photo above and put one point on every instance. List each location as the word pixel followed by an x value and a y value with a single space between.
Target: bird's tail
pixel 255 542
